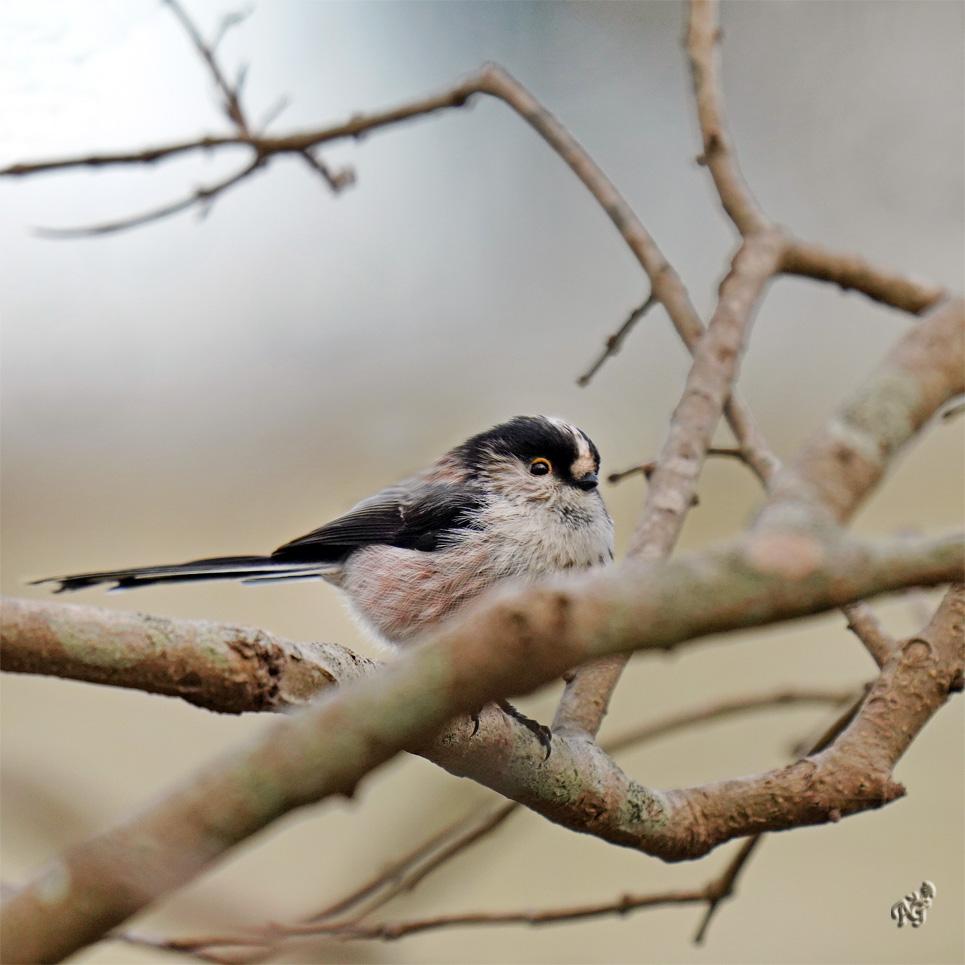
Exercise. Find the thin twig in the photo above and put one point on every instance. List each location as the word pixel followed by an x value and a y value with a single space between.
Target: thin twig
pixel 865 625
pixel 202 197
pixel 615 342
pixel 727 882
pixel 405 874
pixel 703 36
pixel 723 887
pixel 230 96
pixel 646 469
pixel 786 697
pixel 337 181
pixel 393 930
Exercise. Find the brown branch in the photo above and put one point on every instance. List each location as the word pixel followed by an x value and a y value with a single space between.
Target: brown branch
pixel 709 389
pixel 866 626
pixel 337 181
pixel 673 483
pixel 778 570
pixel 727 881
pixel 843 463
pixel 202 198
pixel 646 469
pixel 393 930
pixel 510 645
pixel 789 565
pixel 496 82
pixel 230 95
pixel 228 669
pixel 703 36
pixel 615 342
pixel 665 283
pixel 768 700
pixel 723 887
pixel 850 272
pixel 409 871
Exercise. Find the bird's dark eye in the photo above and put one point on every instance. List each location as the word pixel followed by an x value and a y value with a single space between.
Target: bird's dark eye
pixel 540 467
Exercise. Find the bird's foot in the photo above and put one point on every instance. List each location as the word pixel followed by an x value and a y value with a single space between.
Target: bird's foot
pixel 543 734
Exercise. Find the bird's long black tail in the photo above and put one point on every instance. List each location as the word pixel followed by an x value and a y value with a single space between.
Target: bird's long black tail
pixel 249 569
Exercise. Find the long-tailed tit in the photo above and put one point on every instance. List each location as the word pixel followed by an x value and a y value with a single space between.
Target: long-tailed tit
pixel 515 503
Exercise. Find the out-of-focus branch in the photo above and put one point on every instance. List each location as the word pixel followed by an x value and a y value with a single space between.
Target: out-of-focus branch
pixel 866 626
pixel 842 463
pixel 230 93
pixel 202 198
pixel 492 80
pixel 851 272
pixel 615 342
pixel 703 35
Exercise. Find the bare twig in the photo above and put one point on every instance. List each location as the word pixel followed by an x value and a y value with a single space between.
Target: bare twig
pixel 202 198
pixel 615 342
pixel 405 874
pixel 393 930
pixel 646 469
pixel 723 887
pixel 793 562
pixel 336 180
pixel 866 626
pixel 230 95
pixel 726 883
pixel 672 723
pixel 703 35
pixel 709 390
pixel 851 272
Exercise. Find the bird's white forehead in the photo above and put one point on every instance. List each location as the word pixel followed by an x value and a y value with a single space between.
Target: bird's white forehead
pixel 584 461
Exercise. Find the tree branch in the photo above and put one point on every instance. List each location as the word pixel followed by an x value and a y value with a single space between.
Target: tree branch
pixel 841 465
pixel 406 873
pixel 703 36
pixel 228 669
pixel 511 644
pixel 850 272
pixel 863 623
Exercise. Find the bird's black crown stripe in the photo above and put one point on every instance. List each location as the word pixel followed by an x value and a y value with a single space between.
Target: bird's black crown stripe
pixel 527 437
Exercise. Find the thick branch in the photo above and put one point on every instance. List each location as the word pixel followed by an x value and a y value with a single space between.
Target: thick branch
pixel 220 667
pixel 511 644
pixel 673 483
pixel 843 462
pixel 404 874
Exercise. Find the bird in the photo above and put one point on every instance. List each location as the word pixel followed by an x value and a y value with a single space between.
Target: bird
pixel 515 503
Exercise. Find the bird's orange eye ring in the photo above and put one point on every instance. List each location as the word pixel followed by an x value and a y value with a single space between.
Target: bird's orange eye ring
pixel 540 467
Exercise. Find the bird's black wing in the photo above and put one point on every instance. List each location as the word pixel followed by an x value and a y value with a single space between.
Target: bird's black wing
pixel 414 516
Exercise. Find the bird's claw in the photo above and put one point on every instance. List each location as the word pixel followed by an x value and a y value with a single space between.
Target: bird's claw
pixel 543 734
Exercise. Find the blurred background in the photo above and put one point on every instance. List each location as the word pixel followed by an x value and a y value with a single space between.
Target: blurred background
pixel 218 386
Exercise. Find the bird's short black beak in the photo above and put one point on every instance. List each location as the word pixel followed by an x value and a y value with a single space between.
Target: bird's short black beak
pixel 587 482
